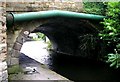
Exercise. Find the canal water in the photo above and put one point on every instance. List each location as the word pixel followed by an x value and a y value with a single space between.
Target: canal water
pixel 71 67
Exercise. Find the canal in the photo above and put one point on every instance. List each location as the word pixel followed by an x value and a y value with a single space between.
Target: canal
pixel 72 67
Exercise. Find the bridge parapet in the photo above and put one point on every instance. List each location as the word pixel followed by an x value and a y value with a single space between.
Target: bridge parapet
pixel 36 5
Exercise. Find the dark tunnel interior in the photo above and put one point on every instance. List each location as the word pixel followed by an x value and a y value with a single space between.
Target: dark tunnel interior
pixel 76 37
pixel 78 49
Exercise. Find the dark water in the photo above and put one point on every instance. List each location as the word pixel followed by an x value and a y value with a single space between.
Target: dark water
pixel 77 68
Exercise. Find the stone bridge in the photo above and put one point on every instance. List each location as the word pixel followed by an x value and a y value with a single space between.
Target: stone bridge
pixel 65 34
pixel 7 52
pixel 15 33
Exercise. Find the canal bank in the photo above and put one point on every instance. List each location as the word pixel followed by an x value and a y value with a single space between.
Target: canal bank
pixel 38 64
pixel 33 64
pixel 33 70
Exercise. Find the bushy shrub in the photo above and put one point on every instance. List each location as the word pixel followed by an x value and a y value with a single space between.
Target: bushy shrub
pixel 111 33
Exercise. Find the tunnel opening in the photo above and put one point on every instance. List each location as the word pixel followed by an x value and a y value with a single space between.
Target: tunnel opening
pixel 76 48
pixel 75 37
pixel 36 46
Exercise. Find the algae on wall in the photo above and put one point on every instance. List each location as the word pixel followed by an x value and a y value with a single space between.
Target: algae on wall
pixel 13 70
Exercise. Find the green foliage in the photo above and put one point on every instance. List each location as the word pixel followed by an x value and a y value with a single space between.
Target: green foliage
pixel 111 32
pixel 41 36
pixel 49 45
pixel 94 8
pixel 114 59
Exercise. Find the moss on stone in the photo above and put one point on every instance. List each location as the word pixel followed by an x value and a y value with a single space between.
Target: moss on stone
pixel 15 69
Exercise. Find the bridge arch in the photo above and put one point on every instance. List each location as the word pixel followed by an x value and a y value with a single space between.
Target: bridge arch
pixel 65 35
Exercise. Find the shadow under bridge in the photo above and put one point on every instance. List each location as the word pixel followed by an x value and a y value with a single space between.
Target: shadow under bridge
pixel 70 33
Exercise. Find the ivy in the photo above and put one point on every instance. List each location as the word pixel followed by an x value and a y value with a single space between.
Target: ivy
pixel 111 33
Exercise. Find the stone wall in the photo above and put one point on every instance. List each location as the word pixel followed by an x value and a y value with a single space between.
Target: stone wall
pixel 40 6
pixel 3 45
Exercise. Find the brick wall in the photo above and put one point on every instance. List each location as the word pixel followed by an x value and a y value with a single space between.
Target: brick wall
pixel 3 45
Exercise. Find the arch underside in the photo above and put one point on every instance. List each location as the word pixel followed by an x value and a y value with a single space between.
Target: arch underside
pixel 72 36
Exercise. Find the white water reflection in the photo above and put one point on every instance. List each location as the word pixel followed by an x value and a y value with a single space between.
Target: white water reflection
pixel 36 50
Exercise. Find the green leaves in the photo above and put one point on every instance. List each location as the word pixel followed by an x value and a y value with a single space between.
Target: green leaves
pixel 113 9
pixel 111 32
pixel 41 36
pixel 94 8
pixel 114 59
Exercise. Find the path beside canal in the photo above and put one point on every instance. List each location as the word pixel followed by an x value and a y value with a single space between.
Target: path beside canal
pixel 32 63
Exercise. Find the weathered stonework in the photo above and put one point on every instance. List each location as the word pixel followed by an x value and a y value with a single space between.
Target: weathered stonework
pixel 3 45
pixel 41 6
pixel 16 38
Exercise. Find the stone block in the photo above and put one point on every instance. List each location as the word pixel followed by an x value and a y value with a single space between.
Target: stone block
pixel 0 67
pixel 1 9
pixel 4 75
pixel 3 56
pixel 0 75
pixel 37 5
pixel 3 66
pixel 17 46
pixel 0 4
pixel 6 80
pixel 3 35
pixel 14 61
pixel 20 39
pixel 8 61
pixel 15 53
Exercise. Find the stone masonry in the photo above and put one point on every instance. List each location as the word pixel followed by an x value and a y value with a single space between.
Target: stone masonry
pixel 15 37
pixel 3 45
pixel 40 6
